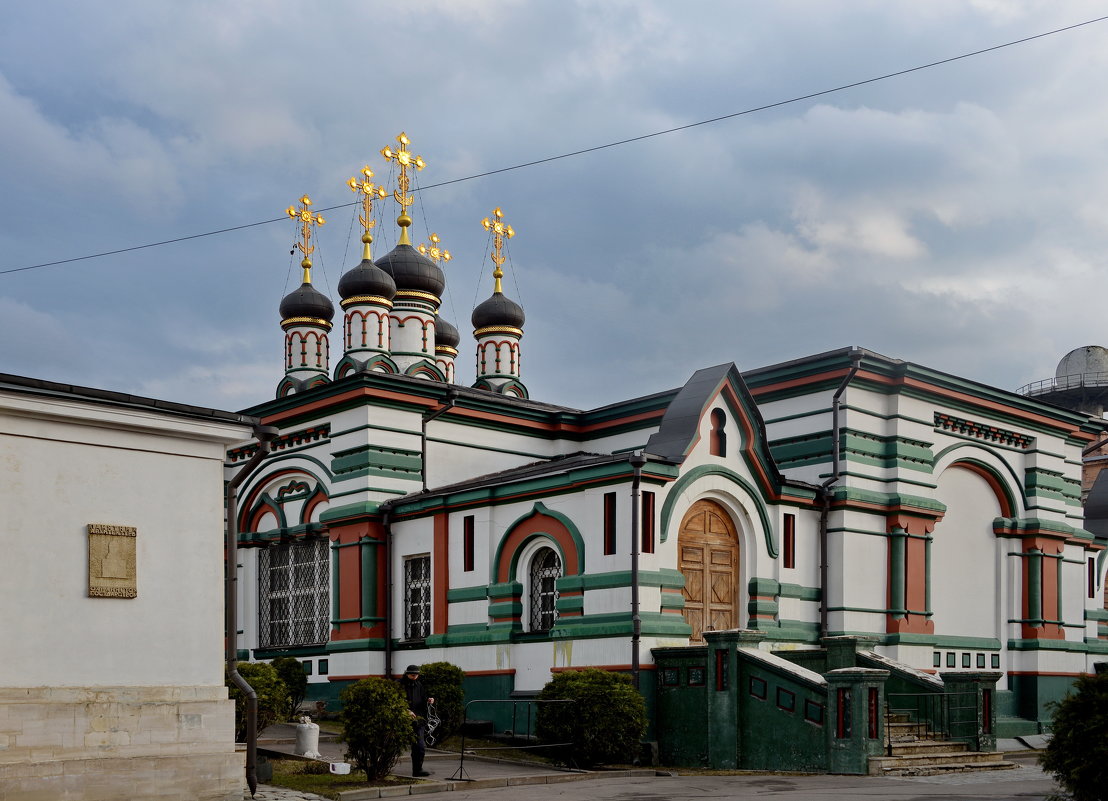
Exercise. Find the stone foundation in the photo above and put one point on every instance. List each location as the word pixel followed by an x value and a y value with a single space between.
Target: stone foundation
pixel 113 743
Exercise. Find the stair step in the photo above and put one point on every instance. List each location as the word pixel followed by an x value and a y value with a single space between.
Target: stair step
pixel 913 762
pixel 952 767
pixel 927 747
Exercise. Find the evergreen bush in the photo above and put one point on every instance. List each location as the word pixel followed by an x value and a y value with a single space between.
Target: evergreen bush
pixel 273 696
pixel 1077 754
pixel 443 682
pixel 376 726
pixel 603 724
pixel 292 674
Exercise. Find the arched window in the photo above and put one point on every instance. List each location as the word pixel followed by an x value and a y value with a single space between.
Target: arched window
pixel 718 443
pixel 546 569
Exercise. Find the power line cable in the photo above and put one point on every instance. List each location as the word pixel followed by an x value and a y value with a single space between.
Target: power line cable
pixel 593 149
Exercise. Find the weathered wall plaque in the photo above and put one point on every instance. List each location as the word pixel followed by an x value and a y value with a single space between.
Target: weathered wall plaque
pixel 111 561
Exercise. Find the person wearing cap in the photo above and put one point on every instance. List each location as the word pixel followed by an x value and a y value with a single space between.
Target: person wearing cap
pixel 417 708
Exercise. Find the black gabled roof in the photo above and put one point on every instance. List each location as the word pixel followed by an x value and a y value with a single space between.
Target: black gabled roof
pixel 106 397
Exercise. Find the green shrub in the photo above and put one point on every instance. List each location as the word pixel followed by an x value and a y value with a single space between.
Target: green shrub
pixel 443 682
pixel 292 674
pixel 376 726
pixel 604 723
pixel 1077 753
pixel 273 696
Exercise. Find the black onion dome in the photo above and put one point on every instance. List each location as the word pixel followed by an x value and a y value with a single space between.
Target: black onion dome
pixel 307 301
pixel 410 269
pixel 366 279
pixel 446 333
pixel 498 310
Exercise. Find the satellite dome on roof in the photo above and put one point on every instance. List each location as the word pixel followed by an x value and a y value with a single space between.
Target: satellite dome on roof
pixel 307 301
pixel 446 333
pixel 1084 361
pixel 366 280
pixel 411 270
pixel 498 310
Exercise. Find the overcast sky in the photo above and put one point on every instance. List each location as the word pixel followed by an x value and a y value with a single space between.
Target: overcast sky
pixel 955 217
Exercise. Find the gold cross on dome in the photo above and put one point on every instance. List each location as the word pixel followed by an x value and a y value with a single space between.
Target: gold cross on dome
pixel 404 159
pixel 306 220
pixel 434 250
pixel 369 191
pixel 500 231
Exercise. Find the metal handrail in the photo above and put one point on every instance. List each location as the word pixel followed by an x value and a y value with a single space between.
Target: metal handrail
pixel 461 775
pixel 1075 381
pixel 934 716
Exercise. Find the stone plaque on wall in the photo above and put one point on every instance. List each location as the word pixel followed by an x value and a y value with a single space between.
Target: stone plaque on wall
pixel 111 561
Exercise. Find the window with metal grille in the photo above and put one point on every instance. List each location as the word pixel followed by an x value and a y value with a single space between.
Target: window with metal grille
pixel 294 591
pixel 417 597
pixel 546 568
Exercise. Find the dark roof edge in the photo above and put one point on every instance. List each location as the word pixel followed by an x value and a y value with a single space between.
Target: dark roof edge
pixel 42 388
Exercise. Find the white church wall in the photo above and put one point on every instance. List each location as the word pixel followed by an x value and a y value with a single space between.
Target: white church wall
pixel 107 699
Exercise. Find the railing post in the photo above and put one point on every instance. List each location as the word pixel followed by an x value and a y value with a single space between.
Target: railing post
pixel 855 704
pixel 970 696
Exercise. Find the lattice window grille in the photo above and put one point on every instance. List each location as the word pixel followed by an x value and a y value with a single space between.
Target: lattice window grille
pixel 294 592
pixel 417 597
pixel 546 569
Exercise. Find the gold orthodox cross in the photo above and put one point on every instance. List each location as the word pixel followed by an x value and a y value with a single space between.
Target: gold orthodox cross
pixel 434 250
pixel 369 191
pixel 500 231
pixel 404 159
pixel 306 219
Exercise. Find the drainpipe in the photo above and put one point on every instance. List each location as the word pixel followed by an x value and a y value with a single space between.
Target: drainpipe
pixel 637 461
pixel 386 524
pixel 265 436
pixel 451 399
pixel 825 487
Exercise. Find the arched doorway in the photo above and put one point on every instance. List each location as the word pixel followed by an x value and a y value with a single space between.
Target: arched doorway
pixel 708 553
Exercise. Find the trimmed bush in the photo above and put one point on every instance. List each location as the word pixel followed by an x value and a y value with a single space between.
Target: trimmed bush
pixel 604 724
pixel 273 696
pixel 443 682
pixel 376 726
pixel 292 674
pixel 1077 754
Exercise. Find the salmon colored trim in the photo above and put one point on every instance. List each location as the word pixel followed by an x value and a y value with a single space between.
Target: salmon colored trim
pixel 905 381
pixel 612 668
pixel 383 394
pixel 440 567
pixel 535 524
pixel 1047 673
pixel 1006 509
pixel 508 672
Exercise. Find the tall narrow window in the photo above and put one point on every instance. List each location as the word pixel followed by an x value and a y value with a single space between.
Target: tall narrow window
pixel 417 597
pixel 546 568
pixel 647 522
pixel 718 443
pixel 1092 577
pixel 294 586
pixel 467 543
pixel 788 546
pixel 609 523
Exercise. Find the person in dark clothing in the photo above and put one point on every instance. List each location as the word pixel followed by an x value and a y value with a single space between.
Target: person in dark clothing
pixel 417 708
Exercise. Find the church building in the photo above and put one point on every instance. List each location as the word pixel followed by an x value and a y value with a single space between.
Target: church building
pixel 402 517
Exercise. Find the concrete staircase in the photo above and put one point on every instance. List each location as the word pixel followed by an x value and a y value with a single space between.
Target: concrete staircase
pixel 912 750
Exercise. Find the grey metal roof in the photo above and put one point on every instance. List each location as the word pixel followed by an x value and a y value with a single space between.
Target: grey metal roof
pixel 52 389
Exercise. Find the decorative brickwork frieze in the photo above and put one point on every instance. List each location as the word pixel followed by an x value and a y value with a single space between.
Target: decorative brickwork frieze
pixel 958 425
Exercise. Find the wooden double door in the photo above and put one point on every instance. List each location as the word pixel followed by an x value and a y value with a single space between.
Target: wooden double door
pixel 708 548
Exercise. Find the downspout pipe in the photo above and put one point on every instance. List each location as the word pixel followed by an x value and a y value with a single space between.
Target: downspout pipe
pixel 451 399
pixel 386 524
pixel 637 461
pixel 825 487
pixel 265 436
